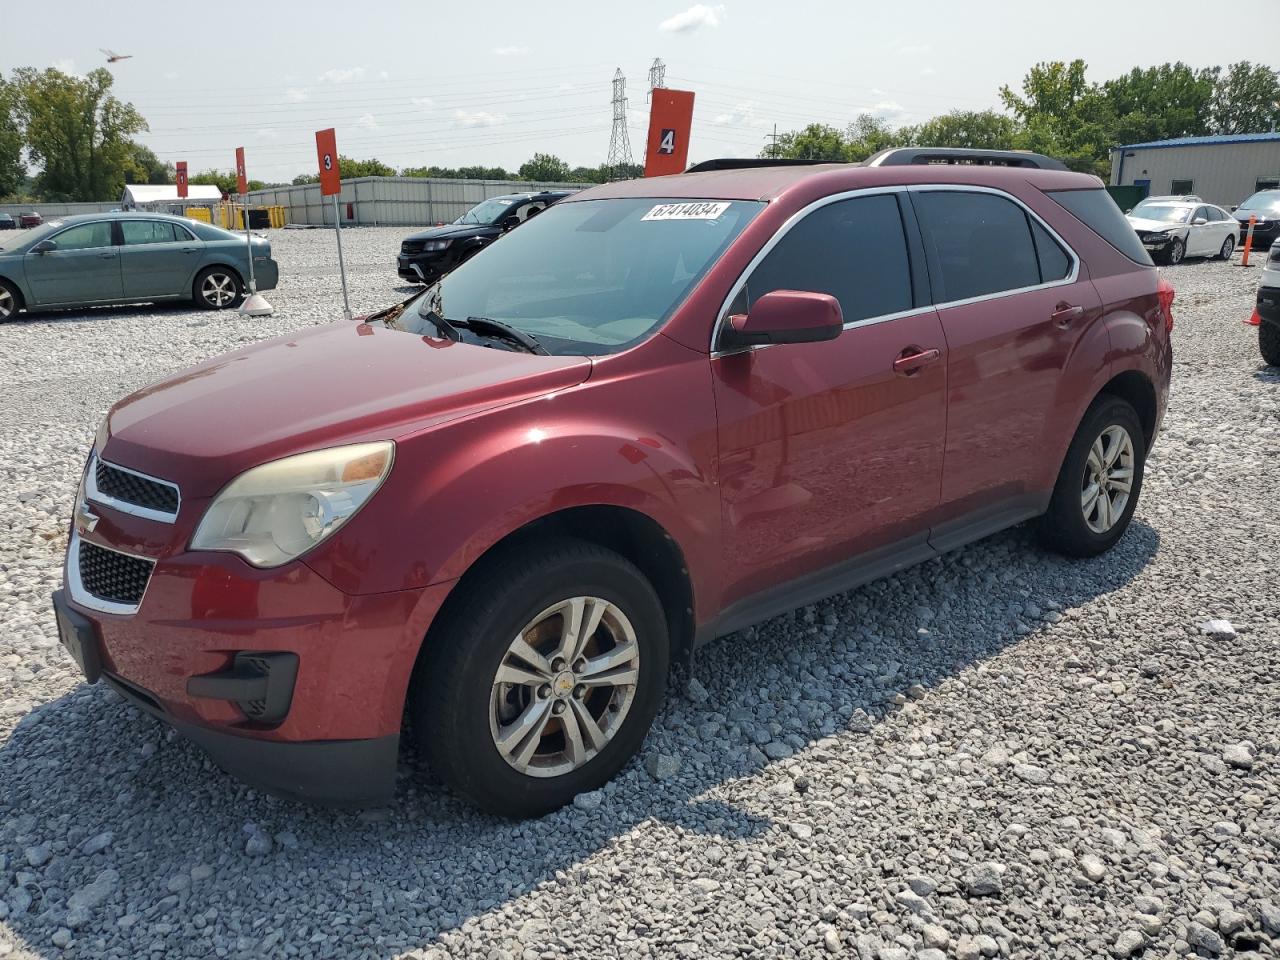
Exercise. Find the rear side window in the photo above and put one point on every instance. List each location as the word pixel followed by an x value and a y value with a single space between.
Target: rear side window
pixel 148 231
pixel 981 243
pixel 1096 210
pixel 853 249
pixel 1054 262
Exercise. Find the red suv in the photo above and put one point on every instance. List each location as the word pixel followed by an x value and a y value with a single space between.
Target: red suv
pixel 496 514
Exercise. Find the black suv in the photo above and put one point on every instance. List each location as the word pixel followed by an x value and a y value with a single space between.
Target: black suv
pixel 428 255
pixel 1265 206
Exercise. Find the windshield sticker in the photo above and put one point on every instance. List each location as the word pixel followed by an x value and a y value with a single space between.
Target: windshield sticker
pixel 701 210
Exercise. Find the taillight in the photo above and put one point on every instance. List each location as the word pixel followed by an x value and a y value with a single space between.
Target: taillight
pixel 1165 291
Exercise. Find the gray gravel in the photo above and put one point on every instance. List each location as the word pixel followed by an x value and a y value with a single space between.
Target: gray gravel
pixel 1000 753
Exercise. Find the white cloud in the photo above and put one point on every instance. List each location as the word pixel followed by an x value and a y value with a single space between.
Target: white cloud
pixel 66 65
pixel 887 110
pixel 914 49
pixel 515 50
pixel 368 122
pixel 341 74
pixel 696 17
pixel 742 115
pixel 425 102
pixel 478 119
pixel 296 95
pixel 384 75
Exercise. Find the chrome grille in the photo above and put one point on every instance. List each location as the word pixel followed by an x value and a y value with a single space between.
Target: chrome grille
pixel 129 487
pixel 112 576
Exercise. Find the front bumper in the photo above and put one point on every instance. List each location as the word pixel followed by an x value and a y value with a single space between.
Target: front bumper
pixel 335 739
pixel 432 266
pixel 1269 304
pixel 1263 234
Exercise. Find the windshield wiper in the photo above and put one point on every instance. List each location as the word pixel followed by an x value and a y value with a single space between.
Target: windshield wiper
pixel 505 330
pixel 443 326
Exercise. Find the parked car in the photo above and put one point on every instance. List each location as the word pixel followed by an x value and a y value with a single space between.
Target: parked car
pixel 1265 207
pixel 663 410
pixel 428 255
pixel 108 258
pixel 28 220
pixel 1269 308
pixel 7 222
pixel 1175 229
pixel 1167 198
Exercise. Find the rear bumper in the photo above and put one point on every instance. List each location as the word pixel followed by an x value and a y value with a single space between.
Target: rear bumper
pixel 266 273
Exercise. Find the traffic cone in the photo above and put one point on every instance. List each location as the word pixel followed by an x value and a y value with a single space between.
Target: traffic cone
pixel 1255 320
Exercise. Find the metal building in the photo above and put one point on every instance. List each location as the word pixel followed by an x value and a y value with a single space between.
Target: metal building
pixel 1223 170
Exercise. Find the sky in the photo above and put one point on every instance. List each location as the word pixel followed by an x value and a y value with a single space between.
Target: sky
pixel 417 84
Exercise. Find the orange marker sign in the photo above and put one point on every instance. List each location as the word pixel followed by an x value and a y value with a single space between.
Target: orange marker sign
pixel 242 181
pixel 327 157
pixel 181 168
pixel 670 120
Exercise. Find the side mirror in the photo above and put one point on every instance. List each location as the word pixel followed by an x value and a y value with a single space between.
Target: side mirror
pixel 1199 221
pixel 1234 207
pixel 44 246
pixel 785 316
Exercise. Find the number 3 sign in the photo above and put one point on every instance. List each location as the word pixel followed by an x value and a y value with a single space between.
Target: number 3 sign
pixel 327 154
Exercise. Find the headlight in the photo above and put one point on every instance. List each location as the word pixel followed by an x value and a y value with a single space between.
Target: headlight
pixel 280 510
pixel 1157 236
pixel 431 246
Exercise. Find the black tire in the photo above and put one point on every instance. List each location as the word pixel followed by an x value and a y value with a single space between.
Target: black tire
pixel 1177 250
pixel 1064 527
pixel 217 288
pixel 1269 342
pixel 10 301
pixel 1228 248
pixel 451 701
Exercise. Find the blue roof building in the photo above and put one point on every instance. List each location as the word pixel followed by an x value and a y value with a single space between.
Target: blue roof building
pixel 1222 169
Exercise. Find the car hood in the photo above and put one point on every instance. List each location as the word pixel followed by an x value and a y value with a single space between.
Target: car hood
pixel 1243 215
pixel 452 230
pixel 1142 223
pixel 341 383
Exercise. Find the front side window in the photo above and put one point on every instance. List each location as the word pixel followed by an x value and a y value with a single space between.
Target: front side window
pixel 981 243
pixel 137 232
pixel 853 249
pixel 586 278
pixel 85 236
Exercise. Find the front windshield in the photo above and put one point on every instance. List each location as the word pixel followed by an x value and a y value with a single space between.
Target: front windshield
pixel 1268 200
pixel 587 278
pixel 487 213
pixel 1164 212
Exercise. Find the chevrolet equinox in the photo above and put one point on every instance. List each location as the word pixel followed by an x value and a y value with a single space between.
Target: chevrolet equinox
pixel 494 516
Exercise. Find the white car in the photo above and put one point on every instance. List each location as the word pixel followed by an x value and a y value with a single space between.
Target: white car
pixel 1172 230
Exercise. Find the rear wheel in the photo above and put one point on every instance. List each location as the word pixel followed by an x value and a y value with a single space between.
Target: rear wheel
pixel 1099 483
pixel 1269 342
pixel 218 288
pixel 543 686
pixel 10 301
pixel 1228 248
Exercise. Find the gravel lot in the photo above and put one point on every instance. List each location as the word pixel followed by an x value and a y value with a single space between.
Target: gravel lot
pixel 1001 753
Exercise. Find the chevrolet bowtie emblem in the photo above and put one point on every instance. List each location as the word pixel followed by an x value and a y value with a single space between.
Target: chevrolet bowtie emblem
pixel 86 519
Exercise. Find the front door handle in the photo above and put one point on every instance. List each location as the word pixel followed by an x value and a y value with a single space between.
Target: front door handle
pixel 106 256
pixel 188 249
pixel 913 358
pixel 1065 314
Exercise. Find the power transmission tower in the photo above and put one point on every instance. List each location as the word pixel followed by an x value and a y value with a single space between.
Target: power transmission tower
pixel 619 140
pixel 657 74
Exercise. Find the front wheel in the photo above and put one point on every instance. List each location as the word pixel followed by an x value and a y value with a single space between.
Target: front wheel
pixel 1228 248
pixel 1099 483
pixel 9 302
pixel 217 288
pixel 542 679
pixel 1177 250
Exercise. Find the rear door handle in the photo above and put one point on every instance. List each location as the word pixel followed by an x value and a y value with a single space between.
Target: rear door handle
pixel 1064 314
pixel 913 358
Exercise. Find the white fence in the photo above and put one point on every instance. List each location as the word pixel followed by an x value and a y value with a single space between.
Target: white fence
pixel 50 210
pixel 393 201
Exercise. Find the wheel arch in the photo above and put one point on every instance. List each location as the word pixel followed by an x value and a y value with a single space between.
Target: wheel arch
pixel 1136 388
pixel 16 287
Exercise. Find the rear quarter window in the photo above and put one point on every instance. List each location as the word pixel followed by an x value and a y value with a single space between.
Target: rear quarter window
pixel 1097 211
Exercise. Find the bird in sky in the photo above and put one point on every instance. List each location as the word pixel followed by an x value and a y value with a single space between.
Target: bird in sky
pixel 112 56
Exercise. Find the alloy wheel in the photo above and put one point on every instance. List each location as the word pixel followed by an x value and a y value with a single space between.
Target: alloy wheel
pixel 564 686
pixel 1108 479
pixel 7 304
pixel 218 289
pixel 1176 251
pixel 1228 248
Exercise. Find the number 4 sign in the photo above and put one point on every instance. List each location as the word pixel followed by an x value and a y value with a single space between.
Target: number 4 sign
pixel 670 118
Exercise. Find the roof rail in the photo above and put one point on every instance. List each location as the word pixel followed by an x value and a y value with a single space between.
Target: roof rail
pixel 904 156
pixel 744 163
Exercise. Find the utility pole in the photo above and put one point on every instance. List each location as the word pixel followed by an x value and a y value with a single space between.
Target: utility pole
pixel 772 149
pixel 619 140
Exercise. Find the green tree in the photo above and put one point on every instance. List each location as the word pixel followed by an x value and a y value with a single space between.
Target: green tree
pixel 224 180
pixel 13 173
pixel 76 131
pixel 350 170
pixel 973 129
pixel 145 167
pixel 545 167
pixel 869 134
pixel 1159 103
pixel 1061 114
pixel 1246 99
pixel 817 141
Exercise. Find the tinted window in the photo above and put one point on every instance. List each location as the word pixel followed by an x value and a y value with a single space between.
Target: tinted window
pixel 981 243
pixel 148 231
pixel 1099 213
pixel 85 237
pixel 1054 262
pixel 854 250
